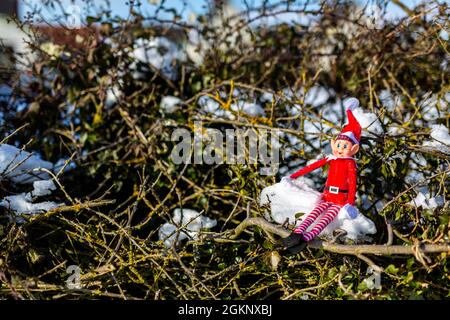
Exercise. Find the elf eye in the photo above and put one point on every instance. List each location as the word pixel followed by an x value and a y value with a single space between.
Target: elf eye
pixel 339 145
pixel 345 146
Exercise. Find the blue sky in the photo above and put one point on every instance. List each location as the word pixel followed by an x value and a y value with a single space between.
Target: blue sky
pixel 186 7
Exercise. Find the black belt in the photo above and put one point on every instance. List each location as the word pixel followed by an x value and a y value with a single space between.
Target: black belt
pixel 335 190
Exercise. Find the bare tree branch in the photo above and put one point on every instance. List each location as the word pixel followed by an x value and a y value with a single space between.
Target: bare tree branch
pixel 340 248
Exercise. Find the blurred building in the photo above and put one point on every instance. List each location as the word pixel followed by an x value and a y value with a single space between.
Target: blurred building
pixel 73 38
pixel 54 38
pixel 9 7
pixel 14 52
pixel 10 37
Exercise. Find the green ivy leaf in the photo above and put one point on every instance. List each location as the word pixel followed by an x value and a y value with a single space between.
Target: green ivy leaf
pixel 391 269
pixel 299 214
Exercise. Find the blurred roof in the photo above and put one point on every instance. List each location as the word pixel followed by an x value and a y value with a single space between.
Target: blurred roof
pixel 77 38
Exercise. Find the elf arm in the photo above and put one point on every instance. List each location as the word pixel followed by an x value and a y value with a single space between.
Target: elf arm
pixel 309 168
pixel 351 179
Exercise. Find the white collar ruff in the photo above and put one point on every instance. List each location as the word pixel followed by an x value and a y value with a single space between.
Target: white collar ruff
pixel 333 157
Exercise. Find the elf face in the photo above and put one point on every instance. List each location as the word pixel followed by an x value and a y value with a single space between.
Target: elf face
pixel 343 148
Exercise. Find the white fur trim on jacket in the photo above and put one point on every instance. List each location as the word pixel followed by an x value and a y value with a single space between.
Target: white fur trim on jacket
pixel 333 157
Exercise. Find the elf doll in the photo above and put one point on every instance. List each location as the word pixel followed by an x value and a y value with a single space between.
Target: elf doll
pixel 340 187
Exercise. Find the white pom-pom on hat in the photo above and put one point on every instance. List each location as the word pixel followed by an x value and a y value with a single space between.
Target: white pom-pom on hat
pixel 351 103
pixel 352 129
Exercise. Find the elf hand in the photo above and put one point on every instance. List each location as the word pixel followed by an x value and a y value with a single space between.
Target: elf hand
pixel 352 212
pixel 286 179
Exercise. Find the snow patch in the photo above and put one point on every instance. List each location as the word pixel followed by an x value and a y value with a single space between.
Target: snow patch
pixel 160 52
pixel 390 101
pixel 317 96
pixel 250 108
pixel 21 166
pixel 43 188
pixel 267 96
pixel 368 121
pixel 189 223
pixel 169 104
pixel 23 203
pixel 112 95
pixel 441 139
pixel 289 197
pixel 425 200
pixel 211 106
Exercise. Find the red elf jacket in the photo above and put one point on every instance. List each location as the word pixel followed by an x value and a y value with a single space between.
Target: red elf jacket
pixel 340 187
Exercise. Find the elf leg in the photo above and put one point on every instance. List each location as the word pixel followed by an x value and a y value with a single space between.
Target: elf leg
pixel 312 216
pixel 330 214
pixel 295 241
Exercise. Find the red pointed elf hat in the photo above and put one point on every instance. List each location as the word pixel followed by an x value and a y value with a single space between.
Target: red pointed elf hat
pixel 352 130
